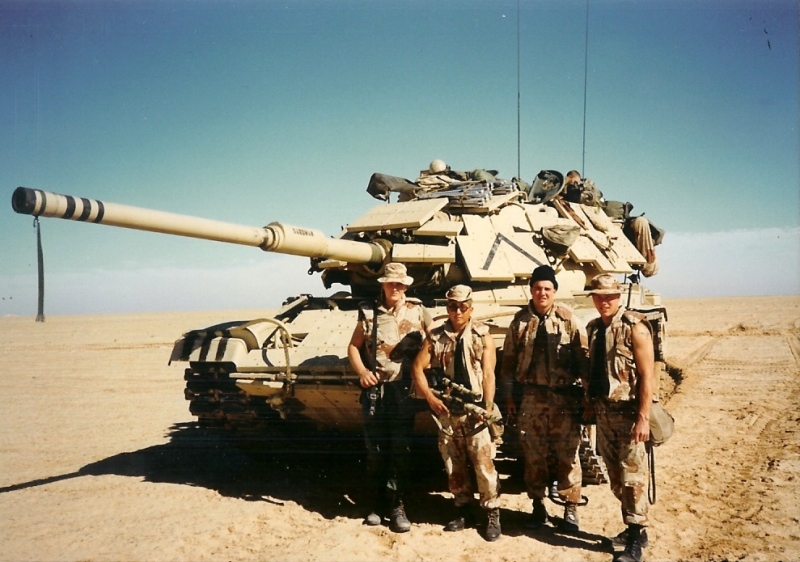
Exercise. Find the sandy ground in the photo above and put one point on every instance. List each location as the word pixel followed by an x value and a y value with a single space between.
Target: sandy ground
pixel 100 460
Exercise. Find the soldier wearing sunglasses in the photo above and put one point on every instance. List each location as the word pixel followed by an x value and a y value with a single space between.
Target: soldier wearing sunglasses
pixel 464 351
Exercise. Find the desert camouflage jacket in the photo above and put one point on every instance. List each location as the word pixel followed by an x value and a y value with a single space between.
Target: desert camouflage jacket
pixel 567 349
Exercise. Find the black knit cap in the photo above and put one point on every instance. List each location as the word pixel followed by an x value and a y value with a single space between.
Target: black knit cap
pixel 544 273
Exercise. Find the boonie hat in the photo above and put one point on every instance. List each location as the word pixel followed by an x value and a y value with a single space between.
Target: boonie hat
pixel 604 284
pixel 396 273
pixel 459 293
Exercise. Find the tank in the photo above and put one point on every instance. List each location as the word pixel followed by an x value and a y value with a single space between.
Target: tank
pixel 446 228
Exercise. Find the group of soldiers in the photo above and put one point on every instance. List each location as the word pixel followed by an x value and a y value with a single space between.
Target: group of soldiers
pixel 555 375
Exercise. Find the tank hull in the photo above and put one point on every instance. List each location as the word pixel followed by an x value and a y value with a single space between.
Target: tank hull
pixel 294 366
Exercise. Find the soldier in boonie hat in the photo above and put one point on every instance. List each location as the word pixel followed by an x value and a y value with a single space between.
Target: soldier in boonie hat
pixel 388 335
pixel 459 293
pixel 620 382
pixel 604 284
pixel 396 273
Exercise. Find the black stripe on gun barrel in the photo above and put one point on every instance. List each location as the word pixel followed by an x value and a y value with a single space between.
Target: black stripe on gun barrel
pixel 87 209
pixel 70 211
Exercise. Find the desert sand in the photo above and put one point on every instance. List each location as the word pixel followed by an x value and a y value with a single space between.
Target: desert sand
pixel 100 458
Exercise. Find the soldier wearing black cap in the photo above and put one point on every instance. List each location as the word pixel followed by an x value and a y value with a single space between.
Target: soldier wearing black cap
pixel 544 353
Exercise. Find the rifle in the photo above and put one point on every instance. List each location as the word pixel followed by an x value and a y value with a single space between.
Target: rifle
pixel 458 397
pixel 461 397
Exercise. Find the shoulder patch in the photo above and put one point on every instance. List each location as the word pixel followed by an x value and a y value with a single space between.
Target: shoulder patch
pixel 412 301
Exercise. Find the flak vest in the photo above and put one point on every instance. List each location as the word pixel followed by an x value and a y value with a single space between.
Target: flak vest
pixel 445 343
pixel 560 368
pixel 401 331
pixel 621 376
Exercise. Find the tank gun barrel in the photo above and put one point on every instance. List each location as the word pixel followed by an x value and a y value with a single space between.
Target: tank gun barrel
pixel 275 237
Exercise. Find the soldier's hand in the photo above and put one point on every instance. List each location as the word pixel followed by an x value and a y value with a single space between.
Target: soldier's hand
pixel 367 379
pixel 641 430
pixel 437 406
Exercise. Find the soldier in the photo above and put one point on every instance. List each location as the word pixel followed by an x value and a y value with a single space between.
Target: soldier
pixel 387 337
pixel 620 383
pixel 572 177
pixel 464 351
pixel 545 353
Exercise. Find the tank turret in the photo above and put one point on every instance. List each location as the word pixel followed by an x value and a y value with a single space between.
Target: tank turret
pixel 481 232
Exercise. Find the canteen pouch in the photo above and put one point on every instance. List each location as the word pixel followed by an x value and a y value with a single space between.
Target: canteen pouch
pixel 662 424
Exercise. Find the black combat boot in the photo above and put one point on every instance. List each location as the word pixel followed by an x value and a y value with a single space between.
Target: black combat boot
pixel 493 530
pixel 375 516
pixel 539 516
pixel 571 523
pixel 464 518
pixel 373 519
pixel 398 522
pixel 633 547
pixel 622 539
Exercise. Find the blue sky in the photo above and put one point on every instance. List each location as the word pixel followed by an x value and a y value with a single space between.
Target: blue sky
pixel 251 112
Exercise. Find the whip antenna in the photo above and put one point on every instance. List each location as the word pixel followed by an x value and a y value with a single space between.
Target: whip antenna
pixel 518 114
pixel 585 81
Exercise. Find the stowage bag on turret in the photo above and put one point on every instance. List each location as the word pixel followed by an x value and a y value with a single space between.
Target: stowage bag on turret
pixel 381 185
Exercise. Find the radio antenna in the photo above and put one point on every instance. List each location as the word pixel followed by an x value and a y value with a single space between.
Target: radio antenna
pixel 585 82
pixel 519 158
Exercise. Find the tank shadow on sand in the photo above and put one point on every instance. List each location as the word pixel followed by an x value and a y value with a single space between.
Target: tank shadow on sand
pixel 322 473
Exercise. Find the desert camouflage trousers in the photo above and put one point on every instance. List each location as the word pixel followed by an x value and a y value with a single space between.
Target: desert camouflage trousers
pixel 625 460
pixel 644 243
pixel 457 448
pixel 549 424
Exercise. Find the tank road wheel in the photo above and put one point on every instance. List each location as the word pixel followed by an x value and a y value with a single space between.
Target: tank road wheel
pixel 217 402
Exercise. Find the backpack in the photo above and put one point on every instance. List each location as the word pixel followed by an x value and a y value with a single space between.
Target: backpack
pixel 618 209
pixel 558 237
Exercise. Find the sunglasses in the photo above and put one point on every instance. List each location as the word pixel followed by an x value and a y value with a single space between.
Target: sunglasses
pixel 453 306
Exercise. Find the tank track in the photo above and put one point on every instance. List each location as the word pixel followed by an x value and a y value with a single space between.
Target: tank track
pixel 217 402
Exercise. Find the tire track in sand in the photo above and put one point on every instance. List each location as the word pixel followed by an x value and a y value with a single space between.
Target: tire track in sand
pixel 726 480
